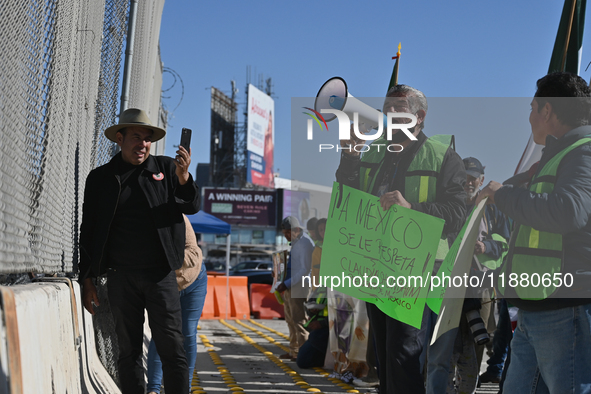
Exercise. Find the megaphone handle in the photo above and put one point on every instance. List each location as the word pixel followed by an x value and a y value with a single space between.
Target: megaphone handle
pixel 340 195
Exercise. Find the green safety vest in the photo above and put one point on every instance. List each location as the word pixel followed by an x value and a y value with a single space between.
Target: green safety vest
pixel 539 252
pixel 319 300
pixel 421 176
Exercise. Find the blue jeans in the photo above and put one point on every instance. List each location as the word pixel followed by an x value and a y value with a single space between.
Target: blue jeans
pixel 551 352
pixel 501 341
pixel 192 300
pixel 438 359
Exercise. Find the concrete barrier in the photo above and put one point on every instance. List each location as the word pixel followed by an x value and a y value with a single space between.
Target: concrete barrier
pixel 263 303
pixel 47 341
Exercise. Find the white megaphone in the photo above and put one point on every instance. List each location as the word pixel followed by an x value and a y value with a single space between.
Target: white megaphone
pixel 334 99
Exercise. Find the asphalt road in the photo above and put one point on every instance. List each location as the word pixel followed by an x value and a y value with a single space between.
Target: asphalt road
pixel 242 356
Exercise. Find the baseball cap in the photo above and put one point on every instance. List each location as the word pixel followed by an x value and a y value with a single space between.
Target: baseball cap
pixel 473 167
pixel 290 222
pixel 311 224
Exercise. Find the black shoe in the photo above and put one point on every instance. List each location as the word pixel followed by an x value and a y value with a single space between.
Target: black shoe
pixel 489 378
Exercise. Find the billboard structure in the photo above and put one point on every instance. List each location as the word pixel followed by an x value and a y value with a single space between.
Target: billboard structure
pixel 223 126
pixel 242 207
pixel 260 138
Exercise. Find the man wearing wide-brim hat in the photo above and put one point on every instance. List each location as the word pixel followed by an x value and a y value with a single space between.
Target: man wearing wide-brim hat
pixel 133 231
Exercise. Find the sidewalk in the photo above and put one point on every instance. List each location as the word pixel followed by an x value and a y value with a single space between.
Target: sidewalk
pixel 242 356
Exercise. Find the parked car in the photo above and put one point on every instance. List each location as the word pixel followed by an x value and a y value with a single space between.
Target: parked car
pixel 215 266
pixel 252 265
pixel 255 275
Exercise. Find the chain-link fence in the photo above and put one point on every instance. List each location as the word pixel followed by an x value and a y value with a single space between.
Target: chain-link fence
pixel 60 74
pixel 59 89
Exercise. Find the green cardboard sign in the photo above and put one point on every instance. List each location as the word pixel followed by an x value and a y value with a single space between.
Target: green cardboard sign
pixel 436 293
pixel 382 257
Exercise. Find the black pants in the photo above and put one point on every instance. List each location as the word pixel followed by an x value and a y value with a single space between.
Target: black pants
pixel 398 348
pixel 129 294
pixel 313 351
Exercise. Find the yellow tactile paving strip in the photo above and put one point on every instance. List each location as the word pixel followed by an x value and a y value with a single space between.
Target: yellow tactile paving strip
pixel 216 353
pixel 225 374
pixel 295 376
pixel 345 386
pixel 195 384
pixel 230 361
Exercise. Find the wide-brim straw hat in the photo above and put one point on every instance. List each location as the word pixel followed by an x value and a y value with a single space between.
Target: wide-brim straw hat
pixel 134 117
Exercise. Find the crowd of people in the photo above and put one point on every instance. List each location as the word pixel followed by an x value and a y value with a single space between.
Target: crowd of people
pixel 537 222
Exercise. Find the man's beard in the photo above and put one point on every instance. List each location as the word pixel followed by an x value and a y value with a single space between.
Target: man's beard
pixel 472 195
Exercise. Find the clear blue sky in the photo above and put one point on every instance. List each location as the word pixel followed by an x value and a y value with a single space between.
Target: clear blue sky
pixel 449 49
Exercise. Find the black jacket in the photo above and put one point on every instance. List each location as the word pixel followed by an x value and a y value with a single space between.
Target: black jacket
pixel 450 201
pixel 167 199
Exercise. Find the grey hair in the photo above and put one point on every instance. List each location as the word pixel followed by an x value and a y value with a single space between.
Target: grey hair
pixel 417 99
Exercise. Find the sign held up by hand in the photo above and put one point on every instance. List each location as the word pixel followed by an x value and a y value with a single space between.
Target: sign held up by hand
pixel 381 256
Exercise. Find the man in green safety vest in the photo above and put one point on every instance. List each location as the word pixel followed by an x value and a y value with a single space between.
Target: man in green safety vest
pixel 547 273
pixel 426 175
pixel 312 352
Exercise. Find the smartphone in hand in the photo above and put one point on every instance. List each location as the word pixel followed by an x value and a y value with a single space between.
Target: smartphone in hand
pixel 186 139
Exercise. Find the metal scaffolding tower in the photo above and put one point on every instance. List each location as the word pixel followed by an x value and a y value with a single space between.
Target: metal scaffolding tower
pixel 222 144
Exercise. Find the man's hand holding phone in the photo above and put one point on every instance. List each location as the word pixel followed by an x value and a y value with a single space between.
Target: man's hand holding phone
pixel 183 157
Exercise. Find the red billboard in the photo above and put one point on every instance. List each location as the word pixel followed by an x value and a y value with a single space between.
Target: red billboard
pixel 260 137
